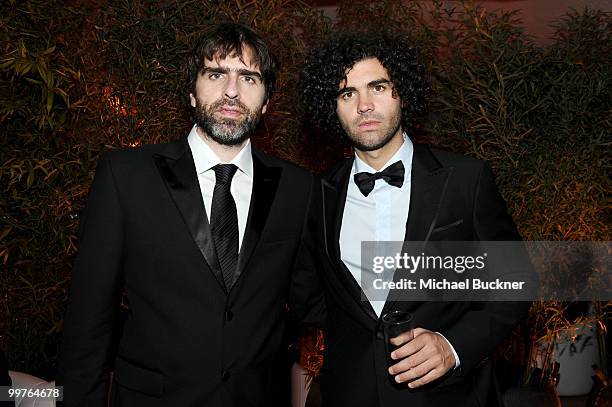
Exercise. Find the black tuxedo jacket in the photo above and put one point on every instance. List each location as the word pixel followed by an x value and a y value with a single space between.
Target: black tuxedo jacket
pixel 452 198
pixel 5 379
pixel 186 340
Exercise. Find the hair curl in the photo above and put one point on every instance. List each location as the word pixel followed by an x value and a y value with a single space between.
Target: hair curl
pixel 327 65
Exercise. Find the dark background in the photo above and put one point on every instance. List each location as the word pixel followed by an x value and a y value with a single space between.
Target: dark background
pixel 79 77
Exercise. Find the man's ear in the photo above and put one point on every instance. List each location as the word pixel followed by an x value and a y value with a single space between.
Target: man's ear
pixel 264 107
pixel 192 99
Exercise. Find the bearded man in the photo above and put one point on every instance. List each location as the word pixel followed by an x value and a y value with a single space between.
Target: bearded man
pixel 206 236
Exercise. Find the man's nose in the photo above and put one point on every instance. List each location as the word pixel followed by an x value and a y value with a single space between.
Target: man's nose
pixel 365 104
pixel 231 89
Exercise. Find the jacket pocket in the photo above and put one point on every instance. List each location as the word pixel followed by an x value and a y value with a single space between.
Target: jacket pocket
pixel 280 239
pixel 139 378
pixel 447 226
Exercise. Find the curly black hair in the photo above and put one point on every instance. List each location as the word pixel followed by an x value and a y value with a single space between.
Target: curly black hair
pixel 327 65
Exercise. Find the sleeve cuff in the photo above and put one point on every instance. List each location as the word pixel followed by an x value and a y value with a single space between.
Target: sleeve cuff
pixel 457 362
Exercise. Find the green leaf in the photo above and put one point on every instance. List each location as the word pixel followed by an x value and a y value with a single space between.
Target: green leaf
pixel 34 81
pixel 50 79
pixel 42 71
pixel 4 232
pixel 47 51
pixel 31 178
pixel 50 96
pixel 7 63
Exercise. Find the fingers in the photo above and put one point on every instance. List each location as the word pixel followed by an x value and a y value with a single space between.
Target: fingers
pixel 424 359
pixel 401 339
pixel 427 378
pixel 420 331
pixel 408 363
pixel 411 346
pixel 417 372
pixel 408 349
pixel 407 336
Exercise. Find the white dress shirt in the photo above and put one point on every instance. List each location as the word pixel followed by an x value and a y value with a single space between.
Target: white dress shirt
pixel 381 216
pixel 242 182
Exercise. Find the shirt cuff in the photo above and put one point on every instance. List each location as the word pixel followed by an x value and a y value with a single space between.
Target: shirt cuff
pixel 457 362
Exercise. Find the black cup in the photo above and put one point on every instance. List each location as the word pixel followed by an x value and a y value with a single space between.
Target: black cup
pixel 395 323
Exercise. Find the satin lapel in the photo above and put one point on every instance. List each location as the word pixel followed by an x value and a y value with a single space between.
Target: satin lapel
pixel 265 183
pixel 334 198
pixel 179 173
pixel 333 201
pixel 429 181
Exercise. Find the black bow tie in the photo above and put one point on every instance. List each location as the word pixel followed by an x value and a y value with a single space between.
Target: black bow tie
pixel 393 174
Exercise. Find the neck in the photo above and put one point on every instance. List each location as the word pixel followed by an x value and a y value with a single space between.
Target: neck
pixel 224 152
pixel 379 157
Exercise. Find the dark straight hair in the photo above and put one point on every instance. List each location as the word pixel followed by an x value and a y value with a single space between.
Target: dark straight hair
pixel 231 39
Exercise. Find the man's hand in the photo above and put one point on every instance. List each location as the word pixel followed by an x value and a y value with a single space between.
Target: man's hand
pixel 425 358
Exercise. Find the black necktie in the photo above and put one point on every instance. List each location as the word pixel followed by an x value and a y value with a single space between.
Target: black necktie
pixel 224 222
pixel 393 174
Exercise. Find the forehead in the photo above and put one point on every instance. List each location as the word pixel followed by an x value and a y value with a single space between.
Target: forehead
pixel 364 72
pixel 234 60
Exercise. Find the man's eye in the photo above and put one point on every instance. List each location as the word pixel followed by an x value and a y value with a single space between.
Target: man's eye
pixel 249 79
pixel 346 95
pixel 215 76
pixel 380 88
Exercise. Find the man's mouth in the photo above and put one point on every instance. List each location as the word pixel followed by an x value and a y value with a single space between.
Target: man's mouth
pixel 230 111
pixel 368 124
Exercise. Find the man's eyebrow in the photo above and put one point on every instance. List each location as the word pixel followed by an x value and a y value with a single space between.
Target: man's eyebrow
pixel 377 82
pixel 346 89
pixel 224 70
pixel 248 72
pixel 371 84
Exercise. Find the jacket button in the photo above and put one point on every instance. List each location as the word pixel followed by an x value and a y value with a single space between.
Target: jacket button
pixel 225 376
pixel 229 315
pixel 379 335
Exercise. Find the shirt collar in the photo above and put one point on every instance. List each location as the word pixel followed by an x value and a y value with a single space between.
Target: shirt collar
pixel 205 158
pixel 404 153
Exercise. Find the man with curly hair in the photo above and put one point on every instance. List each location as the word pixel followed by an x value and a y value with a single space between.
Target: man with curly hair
pixel 372 89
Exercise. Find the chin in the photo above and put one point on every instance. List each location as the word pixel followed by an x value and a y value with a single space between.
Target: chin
pixel 369 143
pixel 365 147
pixel 230 141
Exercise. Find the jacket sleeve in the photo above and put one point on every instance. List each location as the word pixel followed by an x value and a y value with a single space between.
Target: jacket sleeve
pixel 484 326
pixel 307 303
pixel 85 354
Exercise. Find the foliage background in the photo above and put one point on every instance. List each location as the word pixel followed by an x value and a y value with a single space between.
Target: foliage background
pixel 77 77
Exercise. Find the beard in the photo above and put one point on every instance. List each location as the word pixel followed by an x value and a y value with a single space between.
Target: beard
pixel 226 131
pixel 372 140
